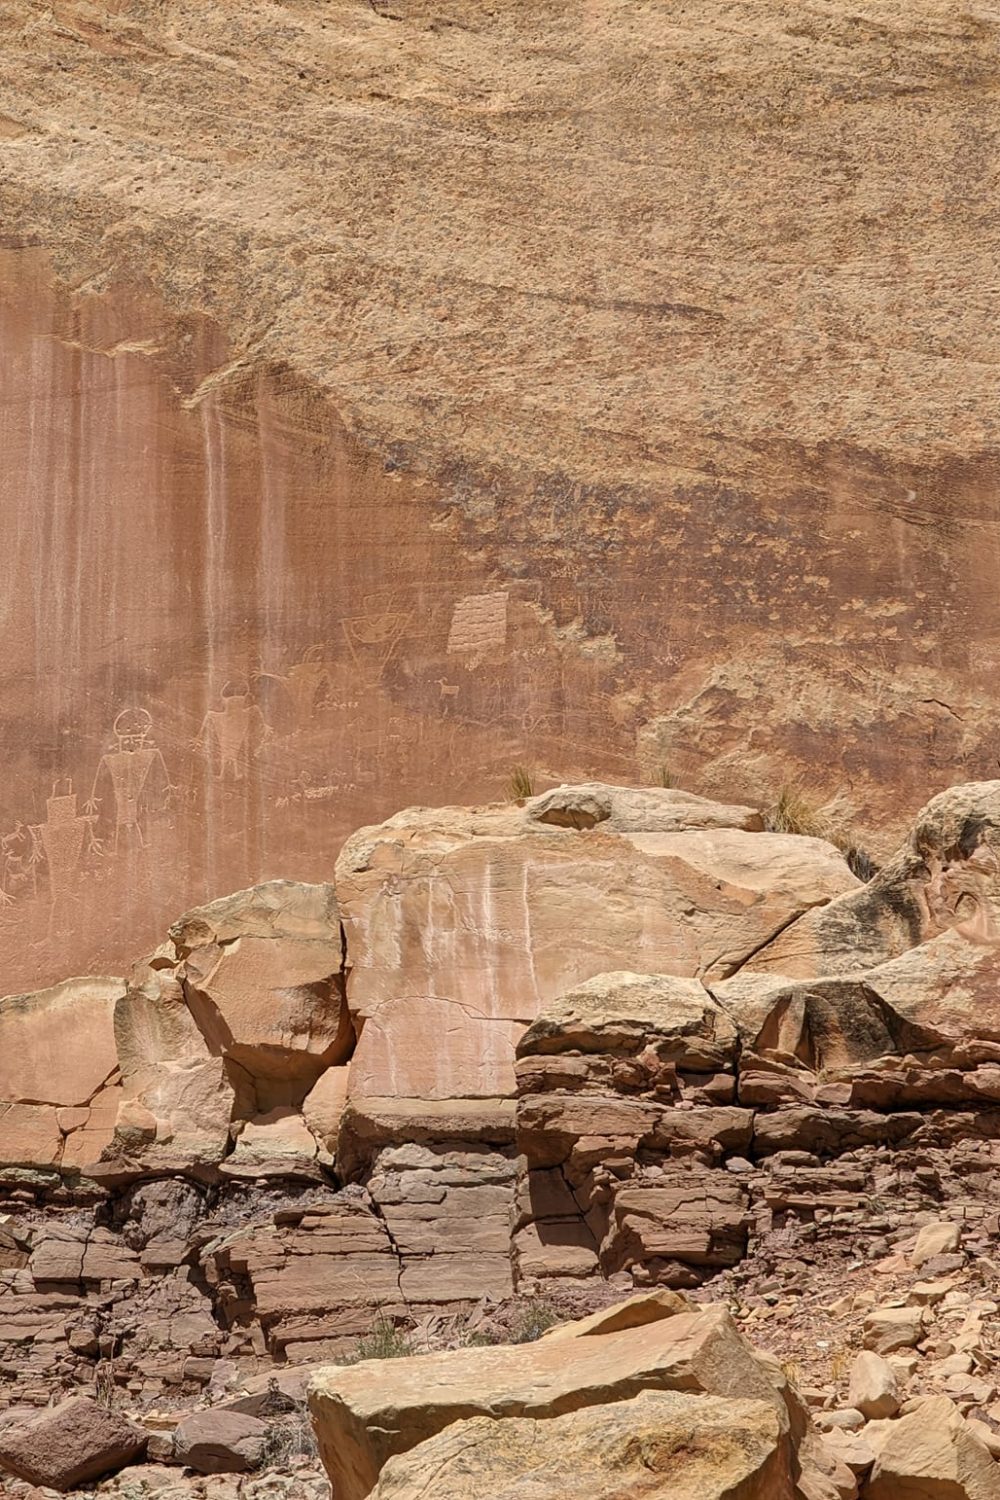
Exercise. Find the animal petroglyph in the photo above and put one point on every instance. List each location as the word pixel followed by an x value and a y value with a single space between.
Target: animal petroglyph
pixel 136 773
pixel 19 861
pixel 479 627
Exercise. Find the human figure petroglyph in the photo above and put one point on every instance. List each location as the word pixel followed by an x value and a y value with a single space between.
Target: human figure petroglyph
pixel 137 774
pixel 308 682
pixel 236 732
pixel 60 839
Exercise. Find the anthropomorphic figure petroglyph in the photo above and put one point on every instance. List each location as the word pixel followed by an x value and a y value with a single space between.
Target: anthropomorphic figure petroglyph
pixel 136 772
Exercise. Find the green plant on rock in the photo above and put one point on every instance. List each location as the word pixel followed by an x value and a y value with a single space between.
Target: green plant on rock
pixel 532 1321
pixel 383 1341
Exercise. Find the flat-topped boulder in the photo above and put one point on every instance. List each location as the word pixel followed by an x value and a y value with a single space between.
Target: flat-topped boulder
pixel 462 923
pixel 366 1413
pixel 657 1444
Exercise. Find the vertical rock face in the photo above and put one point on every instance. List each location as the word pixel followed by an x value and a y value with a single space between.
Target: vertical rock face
pixel 352 464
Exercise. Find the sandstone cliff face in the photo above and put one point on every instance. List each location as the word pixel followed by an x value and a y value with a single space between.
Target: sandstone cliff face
pixel 391 394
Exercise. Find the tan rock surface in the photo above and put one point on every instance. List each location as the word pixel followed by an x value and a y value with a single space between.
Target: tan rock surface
pixel 659 1443
pixel 57 1046
pixel 365 1414
pixel 261 973
pixel 497 913
pixel 932 1452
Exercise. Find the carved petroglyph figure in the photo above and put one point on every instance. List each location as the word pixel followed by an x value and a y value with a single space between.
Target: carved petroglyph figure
pixel 19 861
pixel 235 733
pixel 136 772
pixel 372 639
pixel 60 839
pixel 308 683
pixel 479 627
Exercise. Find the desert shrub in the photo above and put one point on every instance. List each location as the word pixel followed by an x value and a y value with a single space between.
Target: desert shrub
pixel 289 1440
pixel 384 1341
pixel 521 784
pixel 531 1321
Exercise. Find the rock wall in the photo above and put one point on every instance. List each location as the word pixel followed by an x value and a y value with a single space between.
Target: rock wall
pixel 478 413
pixel 435 1086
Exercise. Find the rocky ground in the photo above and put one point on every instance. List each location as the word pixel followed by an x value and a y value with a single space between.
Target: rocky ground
pixel 515 1064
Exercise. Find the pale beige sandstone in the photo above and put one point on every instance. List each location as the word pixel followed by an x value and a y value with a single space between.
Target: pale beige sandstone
pixel 57 1058
pixel 368 1124
pixel 277 1142
pixel 659 1443
pixel 634 1312
pixel 940 1238
pixel 365 1414
pixel 873 1388
pixel 624 1012
pixel 323 1106
pixel 945 877
pixel 428 1048
pixel 933 1453
pixel 495 913
pixel 261 972
pixel 177 1098
pixel 640 810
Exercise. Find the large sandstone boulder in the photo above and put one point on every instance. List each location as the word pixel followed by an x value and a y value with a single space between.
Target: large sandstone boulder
pixel 365 1414
pixel 178 1099
pixel 657 1444
pixel 462 923
pixel 58 1071
pixel 933 1454
pixel 262 973
pixel 69 1444
pixel 220 1442
pixel 945 876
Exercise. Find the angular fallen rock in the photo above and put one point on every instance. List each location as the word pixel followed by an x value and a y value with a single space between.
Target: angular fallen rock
pixel 69 1444
pixel 366 1413
pixel 220 1442
pixel 660 1443
pixel 933 1454
pixel 889 1328
pixel 873 1388
pixel 941 1238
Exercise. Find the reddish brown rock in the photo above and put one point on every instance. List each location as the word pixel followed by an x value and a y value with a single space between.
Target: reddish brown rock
pixel 69 1444
pixel 220 1442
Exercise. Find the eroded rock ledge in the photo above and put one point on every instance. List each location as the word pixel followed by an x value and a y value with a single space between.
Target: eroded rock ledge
pixel 606 1038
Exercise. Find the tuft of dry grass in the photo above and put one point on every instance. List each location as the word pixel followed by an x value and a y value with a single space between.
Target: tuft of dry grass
pixel 521 785
pixel 795 812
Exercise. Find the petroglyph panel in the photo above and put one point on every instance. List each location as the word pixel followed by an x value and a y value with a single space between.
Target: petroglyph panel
pixel 479 626
pixel 227 633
